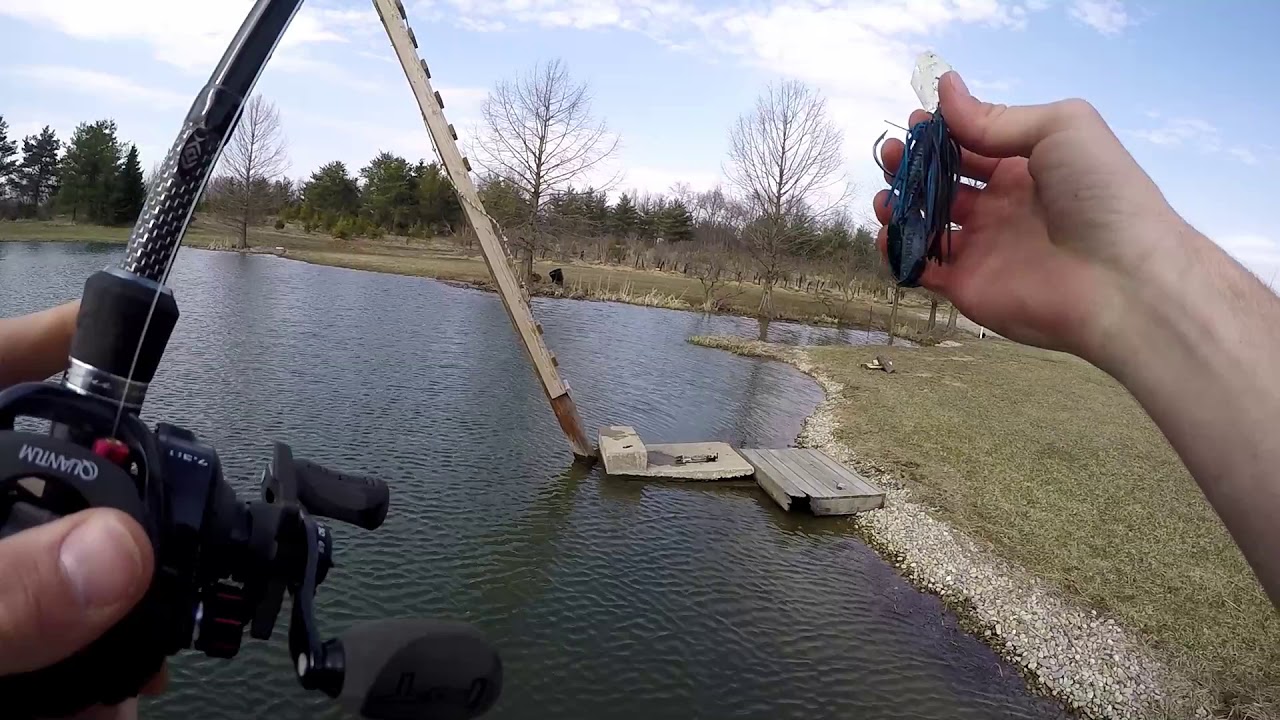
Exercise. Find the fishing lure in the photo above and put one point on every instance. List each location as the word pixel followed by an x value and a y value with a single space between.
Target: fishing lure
pixel 923 185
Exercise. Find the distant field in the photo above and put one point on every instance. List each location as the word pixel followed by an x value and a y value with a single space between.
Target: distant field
pixel 446 260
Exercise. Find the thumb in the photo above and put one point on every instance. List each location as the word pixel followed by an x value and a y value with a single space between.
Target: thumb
pixel 1002 131
pixel 67 582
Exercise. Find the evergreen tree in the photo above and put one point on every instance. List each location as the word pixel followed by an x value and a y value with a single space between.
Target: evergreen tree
pixel 331 193
pixel 36 180
pixel 677 222
pixel 437 201
pixel 89 172
pixel 624 219
pixel 8 154
pixel 388 196
pixel 131 189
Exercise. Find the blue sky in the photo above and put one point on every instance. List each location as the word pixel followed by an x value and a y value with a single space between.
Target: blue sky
pixel 1186 85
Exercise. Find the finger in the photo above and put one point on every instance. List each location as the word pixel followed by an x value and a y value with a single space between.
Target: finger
pixel 127 710
pixel 1002 131
pixel 961 205
pixel 67 582
pixel 158 682
pixel 882 207
pixel 972 165
pixel 35 346
pixel 891 157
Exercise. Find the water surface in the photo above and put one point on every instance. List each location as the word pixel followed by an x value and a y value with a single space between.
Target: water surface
pixel 608 599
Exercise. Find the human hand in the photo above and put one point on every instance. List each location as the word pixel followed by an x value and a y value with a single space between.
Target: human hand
pixel 1066 222
pixel 65 582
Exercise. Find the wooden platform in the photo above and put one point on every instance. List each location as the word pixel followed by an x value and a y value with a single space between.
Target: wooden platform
pixel 802 478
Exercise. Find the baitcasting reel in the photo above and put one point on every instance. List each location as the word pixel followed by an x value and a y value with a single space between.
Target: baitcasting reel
pixel 220 563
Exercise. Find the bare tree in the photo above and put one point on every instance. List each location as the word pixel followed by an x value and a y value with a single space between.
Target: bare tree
pixel 255 156
pixel 785 159
pixel 540 136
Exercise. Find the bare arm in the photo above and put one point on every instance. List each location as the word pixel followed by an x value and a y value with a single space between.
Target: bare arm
pixel 1201 353
pixel 1071 246
pixel 34 347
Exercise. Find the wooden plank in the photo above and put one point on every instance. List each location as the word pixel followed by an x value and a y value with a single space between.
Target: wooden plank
pixel 793 475
pixel 834 484
pixel 783 460
pixel 766 465
pixel 510 289
pixel 771 486
pixel 849 476
pixel 858 496
pixel 819 477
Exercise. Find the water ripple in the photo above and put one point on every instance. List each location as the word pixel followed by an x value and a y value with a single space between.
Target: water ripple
pixel 608 599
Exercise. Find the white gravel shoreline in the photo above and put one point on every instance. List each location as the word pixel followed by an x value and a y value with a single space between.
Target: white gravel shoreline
pixel 1090 663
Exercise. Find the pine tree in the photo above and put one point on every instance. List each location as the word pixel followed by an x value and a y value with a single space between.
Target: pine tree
pixel 331 191
pixel 36 180
pixel 8 154
pixel 131 189
pixel 89 172
pixel 624 219
pixel 437 201
pixel 677 222
pixel 388 196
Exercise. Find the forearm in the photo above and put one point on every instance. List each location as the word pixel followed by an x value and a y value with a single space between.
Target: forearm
pixel 34 347
pixel 1199 350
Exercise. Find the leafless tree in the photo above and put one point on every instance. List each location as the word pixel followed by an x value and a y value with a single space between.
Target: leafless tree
pixel 255 156
pixel 539 135
pixel 785 160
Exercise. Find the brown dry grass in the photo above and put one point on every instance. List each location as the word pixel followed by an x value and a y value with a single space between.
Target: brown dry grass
pixel 444 260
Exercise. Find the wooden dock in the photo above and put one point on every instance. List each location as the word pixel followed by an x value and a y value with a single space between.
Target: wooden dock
pixel 800 478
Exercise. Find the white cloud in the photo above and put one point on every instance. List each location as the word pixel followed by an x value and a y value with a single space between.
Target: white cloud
pixel 1245 155
pixel 101 84
pixel 1106 16
pixel 190 35
pixel 1192 132
pixel 990 86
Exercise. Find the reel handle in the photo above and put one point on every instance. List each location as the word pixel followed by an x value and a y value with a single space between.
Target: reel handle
pixel 412 669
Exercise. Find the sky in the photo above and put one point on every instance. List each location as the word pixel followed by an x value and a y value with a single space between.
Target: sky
pixel 1185 84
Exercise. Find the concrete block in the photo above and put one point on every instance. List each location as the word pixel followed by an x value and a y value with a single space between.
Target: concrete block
pixel 622 451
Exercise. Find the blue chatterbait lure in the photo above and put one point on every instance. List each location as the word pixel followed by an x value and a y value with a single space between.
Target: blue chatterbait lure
pixel 920 198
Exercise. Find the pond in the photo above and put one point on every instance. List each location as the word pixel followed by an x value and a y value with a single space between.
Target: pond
pixel 607 598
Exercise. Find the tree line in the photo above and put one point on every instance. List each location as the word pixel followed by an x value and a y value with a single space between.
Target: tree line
pixel 95 176
pixel 780 218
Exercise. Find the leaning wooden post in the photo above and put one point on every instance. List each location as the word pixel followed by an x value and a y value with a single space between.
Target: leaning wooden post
pixel 391 12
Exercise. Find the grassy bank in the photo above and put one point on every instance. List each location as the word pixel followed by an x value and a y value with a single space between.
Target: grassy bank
pixel 446 260
pixel 1055 466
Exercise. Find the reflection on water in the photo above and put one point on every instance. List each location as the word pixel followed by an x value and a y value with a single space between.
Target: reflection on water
pixel 617 599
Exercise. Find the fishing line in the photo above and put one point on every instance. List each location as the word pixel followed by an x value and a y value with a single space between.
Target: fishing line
pixel 191 160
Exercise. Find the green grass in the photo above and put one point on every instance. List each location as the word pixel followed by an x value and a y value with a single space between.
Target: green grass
pixel 1053 463
pixel 445 260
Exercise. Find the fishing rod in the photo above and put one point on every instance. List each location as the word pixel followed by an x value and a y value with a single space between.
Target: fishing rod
pixel 220 563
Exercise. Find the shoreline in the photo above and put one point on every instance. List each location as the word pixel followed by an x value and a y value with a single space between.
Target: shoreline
pixel 595 282
pixel 1085 660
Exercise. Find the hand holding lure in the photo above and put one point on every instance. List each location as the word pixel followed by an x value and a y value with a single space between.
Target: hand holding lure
pixel 924 184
